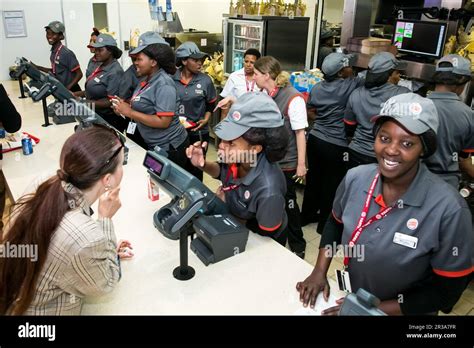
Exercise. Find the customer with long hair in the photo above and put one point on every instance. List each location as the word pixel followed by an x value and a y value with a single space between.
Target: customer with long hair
pixel 77 256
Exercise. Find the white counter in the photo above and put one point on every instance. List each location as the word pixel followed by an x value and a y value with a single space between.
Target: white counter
pixel 259 281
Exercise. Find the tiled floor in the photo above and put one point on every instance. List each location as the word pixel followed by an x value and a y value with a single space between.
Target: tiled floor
pixel 465 305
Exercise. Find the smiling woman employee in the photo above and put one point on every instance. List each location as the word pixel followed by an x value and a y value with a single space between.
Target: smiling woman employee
pixel 154 103
pixel 415 229
pixel 104 81
pixel 254 139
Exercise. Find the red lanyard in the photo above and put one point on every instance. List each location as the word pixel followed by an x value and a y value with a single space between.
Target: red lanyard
pixel 53 63
pixel 363 222
pixel 232 170
pixel 273 92
pixel 143 85
pixel 250 86
pixel 94 74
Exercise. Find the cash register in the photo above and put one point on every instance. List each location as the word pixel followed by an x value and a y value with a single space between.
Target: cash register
pixel 193 210
pixel 43 85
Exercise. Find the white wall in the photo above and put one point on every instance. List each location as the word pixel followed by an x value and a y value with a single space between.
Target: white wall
pixel 333 10
pixel 123 16
pixel 34 46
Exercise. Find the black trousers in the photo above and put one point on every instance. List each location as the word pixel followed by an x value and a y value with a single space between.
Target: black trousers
pixel 194 137
pixel 178 154
pixel 137 137
pixel 296 240
pixel 356 159
pixel 118 122
pixel 327 165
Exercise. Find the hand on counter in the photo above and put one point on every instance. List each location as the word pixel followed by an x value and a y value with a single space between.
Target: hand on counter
pixel 335 309
pixel 109 203
pixel 124 249
pixel 312 286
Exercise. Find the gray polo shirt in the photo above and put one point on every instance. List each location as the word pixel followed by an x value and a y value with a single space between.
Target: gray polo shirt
pixel 129 83
pixel 455 134
pixel 431 211
pixel 91 66
pixel 330 100
pixel 64 64
pixel 194 96
pixel 260 195
pixel 105 82
pixel 363 104
pixel 158 97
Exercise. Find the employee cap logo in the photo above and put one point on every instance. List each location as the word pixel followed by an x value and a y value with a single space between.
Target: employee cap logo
pixel 56 25
pixel 236 115
pixel 345 62
pixel 415 108
pixel 412 224
pixel 101 39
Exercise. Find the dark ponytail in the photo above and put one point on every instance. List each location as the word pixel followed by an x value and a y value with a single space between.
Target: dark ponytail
pixel 273 140
pixel 35 217
pixel 164 56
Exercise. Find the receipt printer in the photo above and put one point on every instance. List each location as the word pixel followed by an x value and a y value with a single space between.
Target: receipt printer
pixel 361 303
pixel 218 237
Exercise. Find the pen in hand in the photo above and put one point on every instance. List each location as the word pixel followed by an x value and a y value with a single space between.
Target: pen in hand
pixel 204 148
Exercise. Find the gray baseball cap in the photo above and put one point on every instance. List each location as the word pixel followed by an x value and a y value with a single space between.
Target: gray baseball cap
pixel 56 27
pixel 415 113
pixel 326 33
pixel 251 110
pixel 385 61
pixel 189 49
pixel 459 65
pixel 148 38
pixel 334 62
pixel 104 40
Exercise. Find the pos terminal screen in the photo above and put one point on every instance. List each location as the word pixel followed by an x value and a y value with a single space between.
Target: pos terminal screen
pixel 420 38
pixel 153 164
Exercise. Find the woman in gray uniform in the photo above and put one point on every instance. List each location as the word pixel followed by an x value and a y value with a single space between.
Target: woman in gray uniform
pixel 93 63
pixel 327 142
pixel 104 81
pixel 364 103
pixel 406 234
pixel 196 92
pixel 153 105
pixel 254 139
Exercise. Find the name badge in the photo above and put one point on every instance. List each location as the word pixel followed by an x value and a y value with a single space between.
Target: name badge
pixel 137 98
pixel 198 91
pixel 97 79
pixel 131 128
pixel 343 280
pixel 405 240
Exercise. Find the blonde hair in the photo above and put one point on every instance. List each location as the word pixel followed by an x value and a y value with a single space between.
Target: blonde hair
pixel 269 65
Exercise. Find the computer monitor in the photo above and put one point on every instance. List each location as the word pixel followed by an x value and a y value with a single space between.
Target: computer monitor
pixel 419 38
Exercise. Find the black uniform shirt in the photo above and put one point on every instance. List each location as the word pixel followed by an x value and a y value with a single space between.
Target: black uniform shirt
pixel 259 195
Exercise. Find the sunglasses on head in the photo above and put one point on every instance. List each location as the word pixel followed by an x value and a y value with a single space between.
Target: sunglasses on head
pixel 122 143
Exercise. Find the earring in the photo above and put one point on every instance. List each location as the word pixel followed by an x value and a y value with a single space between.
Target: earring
pixel 107 187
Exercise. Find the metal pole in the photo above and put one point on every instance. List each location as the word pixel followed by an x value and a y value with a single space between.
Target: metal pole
pixel 22 88
pixel 45 113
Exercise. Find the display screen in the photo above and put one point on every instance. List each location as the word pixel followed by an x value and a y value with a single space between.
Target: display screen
pixel 420 38
pixel 153 164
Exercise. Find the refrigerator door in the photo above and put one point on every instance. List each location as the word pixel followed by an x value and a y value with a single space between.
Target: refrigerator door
pixel 241 35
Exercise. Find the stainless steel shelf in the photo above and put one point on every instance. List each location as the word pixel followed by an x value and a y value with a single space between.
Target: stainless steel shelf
pixel 246 38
